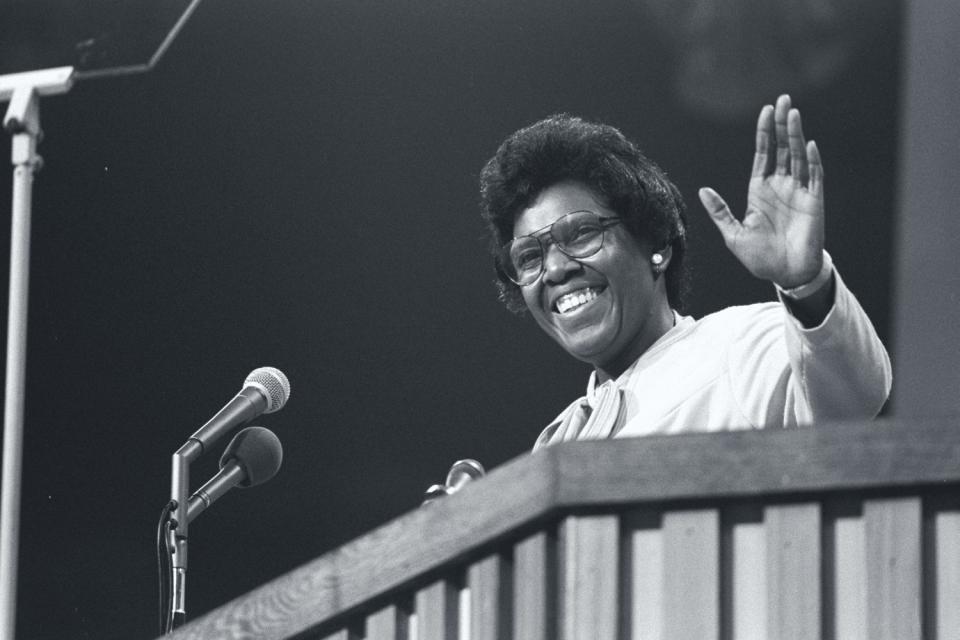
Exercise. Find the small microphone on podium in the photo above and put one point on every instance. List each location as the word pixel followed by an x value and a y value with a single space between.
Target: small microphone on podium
pixel 252 457
pixel 264 391
pixel 461 473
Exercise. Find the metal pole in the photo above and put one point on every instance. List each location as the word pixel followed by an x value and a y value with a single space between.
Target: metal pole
pixel 23 120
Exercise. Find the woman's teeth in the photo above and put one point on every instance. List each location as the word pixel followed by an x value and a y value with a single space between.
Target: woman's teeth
pixel 576 299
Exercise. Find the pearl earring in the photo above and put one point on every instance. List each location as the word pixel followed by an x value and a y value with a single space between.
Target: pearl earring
pixel 657 260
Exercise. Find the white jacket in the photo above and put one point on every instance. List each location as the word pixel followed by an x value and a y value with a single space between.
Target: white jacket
pixel 744 367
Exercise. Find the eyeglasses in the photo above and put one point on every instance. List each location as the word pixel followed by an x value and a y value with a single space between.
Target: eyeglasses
pixel 577 235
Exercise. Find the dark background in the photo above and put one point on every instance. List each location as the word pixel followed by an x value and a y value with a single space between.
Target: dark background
pixel 295 185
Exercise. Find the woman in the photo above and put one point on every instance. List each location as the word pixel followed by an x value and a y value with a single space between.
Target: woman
pixel 589 237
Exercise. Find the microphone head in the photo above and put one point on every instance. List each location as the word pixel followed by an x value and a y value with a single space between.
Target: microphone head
pixel 257 451
pixel 462 472
pixel 273 384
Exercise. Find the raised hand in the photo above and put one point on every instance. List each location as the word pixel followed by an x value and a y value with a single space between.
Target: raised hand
pixel 781 235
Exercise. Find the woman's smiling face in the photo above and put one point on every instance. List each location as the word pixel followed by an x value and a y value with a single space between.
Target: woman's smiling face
pixel 605 309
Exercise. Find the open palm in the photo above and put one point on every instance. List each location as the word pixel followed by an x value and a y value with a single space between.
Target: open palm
pixel 780 237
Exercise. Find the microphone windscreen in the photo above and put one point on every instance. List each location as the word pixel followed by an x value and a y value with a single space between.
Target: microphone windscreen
pixel 258 451
pixel 273 384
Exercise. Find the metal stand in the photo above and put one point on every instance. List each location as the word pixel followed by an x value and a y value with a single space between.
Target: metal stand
pixel 22 120
pixel 177 536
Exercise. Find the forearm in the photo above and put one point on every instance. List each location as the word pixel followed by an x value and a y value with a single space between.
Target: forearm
pixel 840 367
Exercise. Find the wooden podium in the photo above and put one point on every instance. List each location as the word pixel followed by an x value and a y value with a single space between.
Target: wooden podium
pixel 841 532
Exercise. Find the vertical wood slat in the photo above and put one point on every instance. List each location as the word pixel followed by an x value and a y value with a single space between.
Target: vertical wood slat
pixel 849 570
pixel 489 605
pixel 436 607
pixel 646 577
pixel 947 585
pixel 793 571
pixel 589 577
pixel 893 539
pixel 748 575
pixel 463 614
pixel 691 574
pixel 534 615
pixel 389 623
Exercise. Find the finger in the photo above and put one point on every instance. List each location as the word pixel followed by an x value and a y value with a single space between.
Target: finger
pixel 765 154
pixel 719 212
pixel 798 154
pixel 816 169
pixel 780 124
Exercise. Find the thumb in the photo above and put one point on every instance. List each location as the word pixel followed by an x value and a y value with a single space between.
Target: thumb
pixel 719 212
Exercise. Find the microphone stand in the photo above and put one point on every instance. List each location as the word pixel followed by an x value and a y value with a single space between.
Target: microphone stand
pixel 22 120
pixel 177 531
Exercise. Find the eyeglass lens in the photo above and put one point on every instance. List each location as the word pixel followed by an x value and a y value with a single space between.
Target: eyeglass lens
pixel 577 235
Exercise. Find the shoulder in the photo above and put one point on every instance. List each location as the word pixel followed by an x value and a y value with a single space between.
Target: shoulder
pixel 738 338
pixel 738 321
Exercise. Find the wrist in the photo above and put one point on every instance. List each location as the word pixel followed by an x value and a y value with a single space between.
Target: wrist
pixel 807 289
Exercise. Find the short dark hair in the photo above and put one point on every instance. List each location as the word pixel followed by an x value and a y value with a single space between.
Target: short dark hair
pixel 564 148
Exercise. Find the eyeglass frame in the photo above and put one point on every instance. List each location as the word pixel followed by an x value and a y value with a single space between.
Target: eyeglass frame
pixel 547 230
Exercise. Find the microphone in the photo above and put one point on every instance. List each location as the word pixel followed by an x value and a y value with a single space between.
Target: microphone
pixel 264 391
pixel 462 472
pixel 252 457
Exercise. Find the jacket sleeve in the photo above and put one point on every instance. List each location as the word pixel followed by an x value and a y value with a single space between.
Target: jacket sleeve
pixel 839 369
